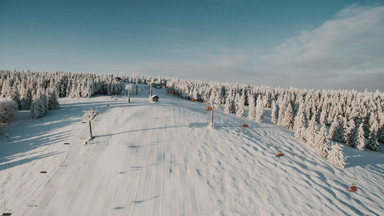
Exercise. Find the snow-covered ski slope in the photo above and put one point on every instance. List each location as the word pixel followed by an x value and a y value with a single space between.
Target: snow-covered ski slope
pixel 162 159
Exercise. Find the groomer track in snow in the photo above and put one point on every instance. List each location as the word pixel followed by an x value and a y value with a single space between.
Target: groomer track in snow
pixel 162 159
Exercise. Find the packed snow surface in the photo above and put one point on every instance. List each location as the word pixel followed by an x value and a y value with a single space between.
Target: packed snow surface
pixel 162 159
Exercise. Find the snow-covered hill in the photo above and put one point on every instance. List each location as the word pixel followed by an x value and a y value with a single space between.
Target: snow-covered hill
pixel 162 159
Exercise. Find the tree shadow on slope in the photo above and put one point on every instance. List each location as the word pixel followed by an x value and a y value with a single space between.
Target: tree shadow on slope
pixel 358 158
pixel 27 135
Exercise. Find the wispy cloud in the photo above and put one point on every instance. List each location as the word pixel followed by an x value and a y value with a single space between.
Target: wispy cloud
pixel 344 52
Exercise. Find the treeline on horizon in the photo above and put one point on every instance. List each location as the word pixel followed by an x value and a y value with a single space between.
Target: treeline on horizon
pixel 343 110
pixel 39 91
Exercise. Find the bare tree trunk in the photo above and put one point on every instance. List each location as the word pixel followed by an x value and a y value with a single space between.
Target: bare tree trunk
pixel 129 96
pixel 212 116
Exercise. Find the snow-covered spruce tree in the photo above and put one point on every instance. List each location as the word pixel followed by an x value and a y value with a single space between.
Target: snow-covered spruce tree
pixel 39 106
pixel 372 143
pixel 323 117
pixel 7 110
pixel 195 94
pixel 274 112
pixel 373 123
pixel 350 134
pixel 360 140
pixel 240 100
pixel 332 129
pixel 26 99
pixel 336 131
pixel 365 122
pixel 229 105
pixel 6 87
pixel 252 107
pixel 300 126
pixel 15 96
pixel 321 141
pixel 259 110
pixel 280 118
pixel 336 155
pixel 380 132
pixel 288 117
pixel 311 132
pixel 35 108
pixel 53 103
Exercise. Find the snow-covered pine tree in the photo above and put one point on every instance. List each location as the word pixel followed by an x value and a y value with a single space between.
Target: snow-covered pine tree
pixel 311 132
pixel 15 96
pixel 372 143
pixel 360 140
pixel 240 100
pixel 323 117
pixel 252 107
pixel 288 117
pixel 35 110
pixel 26 99
pixel 274 112
pixel 280 118
pixel 350 134
pixel 229 105
pixel 380 132
pixel 44 101
pixel 365 122
pixel 195 94
pixel 332 129
pixel 300 125
pixel 321 141
pixel 7 110
pixel 259 109
pixel 336 155
pixel 53 103
pixel 336 131
pixel 39 106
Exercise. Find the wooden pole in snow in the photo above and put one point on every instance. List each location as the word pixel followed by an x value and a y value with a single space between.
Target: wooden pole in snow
pixel 129 96
pixel 90 129
pixel 212 116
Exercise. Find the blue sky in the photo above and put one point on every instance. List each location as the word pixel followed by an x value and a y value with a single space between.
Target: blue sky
pixel 305 44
